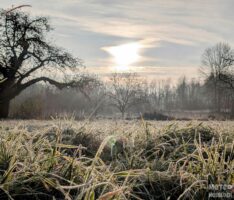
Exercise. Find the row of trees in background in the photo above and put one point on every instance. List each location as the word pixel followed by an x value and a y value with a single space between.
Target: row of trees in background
pixel 125 93
pixel 27 57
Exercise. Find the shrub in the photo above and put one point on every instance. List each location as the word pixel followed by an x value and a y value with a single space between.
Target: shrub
pixel 156 116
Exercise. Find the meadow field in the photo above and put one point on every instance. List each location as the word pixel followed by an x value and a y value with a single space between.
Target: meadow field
pixel 106 159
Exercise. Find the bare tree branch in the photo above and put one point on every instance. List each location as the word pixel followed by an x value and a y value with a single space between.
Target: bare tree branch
pixel 24 50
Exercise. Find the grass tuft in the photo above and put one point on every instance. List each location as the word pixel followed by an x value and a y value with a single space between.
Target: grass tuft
pixel 127 161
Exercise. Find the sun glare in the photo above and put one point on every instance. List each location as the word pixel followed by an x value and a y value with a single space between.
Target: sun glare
pixel 124 55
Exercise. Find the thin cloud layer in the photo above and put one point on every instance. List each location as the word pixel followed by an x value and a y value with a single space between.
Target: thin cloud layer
pixel 175 32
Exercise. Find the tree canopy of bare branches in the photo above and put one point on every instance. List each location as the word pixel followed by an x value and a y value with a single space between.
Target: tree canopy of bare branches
pixel 218 67
pixel 26 54
pixel 126 91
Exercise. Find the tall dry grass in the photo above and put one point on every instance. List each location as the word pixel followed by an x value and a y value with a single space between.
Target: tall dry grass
pixel 126 161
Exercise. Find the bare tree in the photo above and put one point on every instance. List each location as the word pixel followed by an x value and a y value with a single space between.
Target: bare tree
pixel 227 77
pixel 25 56
pixel 97 98
pixel 125 91
pixel 216 60
pixel 227 74
pixel 158 94
pixel 182 93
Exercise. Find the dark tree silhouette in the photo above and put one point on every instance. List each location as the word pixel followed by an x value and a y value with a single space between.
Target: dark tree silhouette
pixel 126 90
pixel 26 54
pixel 216 62
pixel 227 77
pixel 227 74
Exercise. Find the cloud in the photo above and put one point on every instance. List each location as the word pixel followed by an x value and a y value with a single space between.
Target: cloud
pixel 174 32
pixel 174 21
pixel 154 73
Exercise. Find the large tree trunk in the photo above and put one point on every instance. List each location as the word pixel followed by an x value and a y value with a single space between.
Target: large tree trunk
pixel 123 114
pixel 4 109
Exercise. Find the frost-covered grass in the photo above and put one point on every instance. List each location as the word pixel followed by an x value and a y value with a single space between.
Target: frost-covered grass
pixel 65 159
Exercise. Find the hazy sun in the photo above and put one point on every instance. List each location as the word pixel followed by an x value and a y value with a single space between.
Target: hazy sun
pixel 124 55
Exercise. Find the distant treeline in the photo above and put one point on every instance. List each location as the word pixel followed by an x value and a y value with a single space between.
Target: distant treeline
pixel 109 99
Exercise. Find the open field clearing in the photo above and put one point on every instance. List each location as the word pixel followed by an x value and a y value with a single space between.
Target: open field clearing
pixel 116 100
pixel 66 159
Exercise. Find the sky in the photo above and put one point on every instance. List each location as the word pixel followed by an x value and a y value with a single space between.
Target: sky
pixel 156 38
